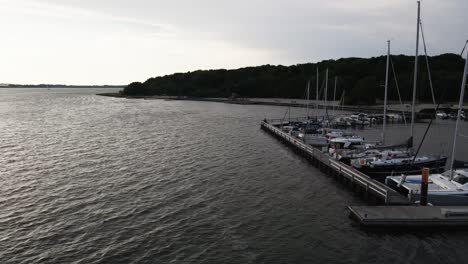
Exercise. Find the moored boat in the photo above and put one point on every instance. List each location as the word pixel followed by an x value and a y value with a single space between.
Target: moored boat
pixel 379 168
pixel 443 189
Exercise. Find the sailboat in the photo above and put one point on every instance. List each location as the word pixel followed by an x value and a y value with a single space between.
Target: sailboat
pixel 338 121
pixel 337 137
pixel 385 164
pixel 448 188
pixel 372 150
pixel 311 135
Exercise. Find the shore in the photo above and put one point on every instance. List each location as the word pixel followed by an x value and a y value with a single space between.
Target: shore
pixel 421 109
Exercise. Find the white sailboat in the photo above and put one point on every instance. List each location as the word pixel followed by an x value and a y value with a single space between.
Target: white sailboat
pixel 315 138
pixel 380 167
pixel 448 188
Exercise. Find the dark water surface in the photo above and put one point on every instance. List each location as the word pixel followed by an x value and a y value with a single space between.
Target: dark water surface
pixel 89 179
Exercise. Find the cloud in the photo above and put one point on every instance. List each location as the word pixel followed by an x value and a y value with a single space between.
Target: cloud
pixel 124 40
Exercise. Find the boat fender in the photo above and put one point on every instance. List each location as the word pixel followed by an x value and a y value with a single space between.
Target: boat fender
pixel 402 180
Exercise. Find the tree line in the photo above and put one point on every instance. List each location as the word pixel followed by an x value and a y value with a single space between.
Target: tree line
pixel 360 80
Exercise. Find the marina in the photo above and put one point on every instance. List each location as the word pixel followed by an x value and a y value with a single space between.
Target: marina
pixel 394 175
pixel 330 166
pixel 394 209
pixel 371 167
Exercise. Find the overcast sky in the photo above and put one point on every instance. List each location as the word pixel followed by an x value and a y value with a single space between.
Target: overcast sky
pixel 120 41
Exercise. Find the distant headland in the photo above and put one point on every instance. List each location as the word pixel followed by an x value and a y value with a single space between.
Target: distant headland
pixel 358 80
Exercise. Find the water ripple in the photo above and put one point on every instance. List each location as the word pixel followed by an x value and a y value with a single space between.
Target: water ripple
pixel 88 179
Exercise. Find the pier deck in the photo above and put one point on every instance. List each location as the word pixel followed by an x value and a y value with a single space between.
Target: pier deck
pixel 410 216
pixel 332 167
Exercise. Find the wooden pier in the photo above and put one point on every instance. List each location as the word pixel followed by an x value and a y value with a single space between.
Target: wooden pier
pixel 410 216
pixel 339 170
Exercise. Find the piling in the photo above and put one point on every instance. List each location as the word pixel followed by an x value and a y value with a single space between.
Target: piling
pixel 424 186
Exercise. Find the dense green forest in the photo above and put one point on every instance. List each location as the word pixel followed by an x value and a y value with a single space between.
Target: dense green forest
pixel 361 79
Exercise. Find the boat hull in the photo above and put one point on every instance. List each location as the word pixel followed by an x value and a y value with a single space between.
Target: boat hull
pixel 315 140
pixel 380 173
pixel 435 198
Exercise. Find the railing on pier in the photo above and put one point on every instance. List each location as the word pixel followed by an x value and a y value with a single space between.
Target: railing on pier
pixel 378 189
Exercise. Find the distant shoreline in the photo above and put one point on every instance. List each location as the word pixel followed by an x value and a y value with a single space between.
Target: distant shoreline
pixel 62 87
pixel 421 108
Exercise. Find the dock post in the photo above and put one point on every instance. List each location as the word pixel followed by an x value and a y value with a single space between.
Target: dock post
pixel 424 187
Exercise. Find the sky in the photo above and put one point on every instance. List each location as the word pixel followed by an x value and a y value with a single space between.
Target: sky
pixel 121 41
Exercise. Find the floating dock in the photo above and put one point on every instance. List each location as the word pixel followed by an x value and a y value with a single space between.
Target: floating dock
pixel 410 216
pixel 339 170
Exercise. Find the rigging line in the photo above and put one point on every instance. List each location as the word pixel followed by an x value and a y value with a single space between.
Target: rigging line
pixel 464 47
pixel 340 103
pixel 429 126
pixel 284 117
pixel 322 92
pixel 288 110
pixel 307 93
pixel 338 87
pixel 427 66
pixel 322 89
pixel 304 95
pixel 427 63
pixel 326 98
pixel 344 97
pixel 398 90
pixel 430 123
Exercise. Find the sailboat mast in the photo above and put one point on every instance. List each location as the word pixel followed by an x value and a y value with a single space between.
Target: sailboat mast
pixel 344 96
pixel 385 96
pixel 460 107
pixel 326 89
pixel 415 71
pixel 334 94
pixel 308 88
pixel 317 92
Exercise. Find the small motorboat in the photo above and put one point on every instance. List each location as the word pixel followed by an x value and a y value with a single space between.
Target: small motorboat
pixel 317 140
pixel 339 145
pixel 452 115
pixel 441 115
